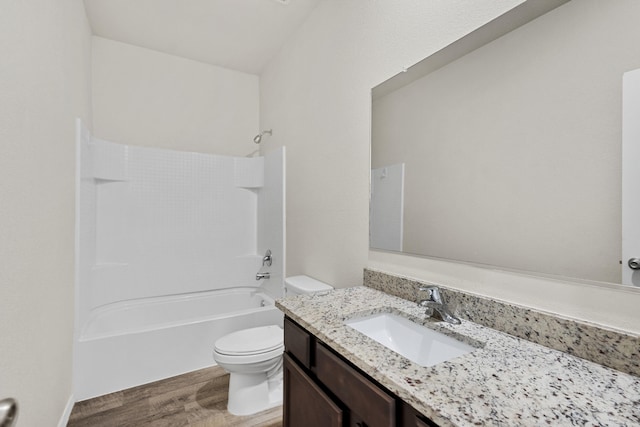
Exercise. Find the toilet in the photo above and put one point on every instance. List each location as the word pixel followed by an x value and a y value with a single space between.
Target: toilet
pixel 253 357
pixel 305 285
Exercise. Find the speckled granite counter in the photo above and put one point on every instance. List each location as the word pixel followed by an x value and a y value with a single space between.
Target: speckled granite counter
pixel 508 381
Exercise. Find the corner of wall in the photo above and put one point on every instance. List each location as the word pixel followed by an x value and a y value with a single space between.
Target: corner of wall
pixel 64 418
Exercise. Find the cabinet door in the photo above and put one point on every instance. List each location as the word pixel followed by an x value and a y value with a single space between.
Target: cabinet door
pixel 425 423
pixel 305 404
pixel 361 396
pixel 409 417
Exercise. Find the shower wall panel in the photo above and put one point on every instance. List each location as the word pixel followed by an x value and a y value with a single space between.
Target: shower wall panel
pixel 271 219
pixel 169 222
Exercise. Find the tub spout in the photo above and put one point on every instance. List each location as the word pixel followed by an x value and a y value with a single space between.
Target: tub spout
pixel 262 276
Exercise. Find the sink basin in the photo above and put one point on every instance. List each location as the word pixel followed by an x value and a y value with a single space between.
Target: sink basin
pixel 417 343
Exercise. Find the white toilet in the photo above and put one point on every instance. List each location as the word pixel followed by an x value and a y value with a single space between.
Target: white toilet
pixel 305 285
pixel 253 357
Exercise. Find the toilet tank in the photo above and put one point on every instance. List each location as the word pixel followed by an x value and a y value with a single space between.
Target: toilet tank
pixel 305 285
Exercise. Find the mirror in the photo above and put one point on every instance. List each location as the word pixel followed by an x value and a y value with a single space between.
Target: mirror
pixel 504 148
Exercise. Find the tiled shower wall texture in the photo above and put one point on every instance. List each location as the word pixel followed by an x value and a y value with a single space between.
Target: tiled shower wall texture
pixel 159 222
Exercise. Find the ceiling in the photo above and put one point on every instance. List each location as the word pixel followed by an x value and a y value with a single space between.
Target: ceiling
pixel 241 35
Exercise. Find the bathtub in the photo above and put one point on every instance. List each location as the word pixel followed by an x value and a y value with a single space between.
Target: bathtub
pixel 135 342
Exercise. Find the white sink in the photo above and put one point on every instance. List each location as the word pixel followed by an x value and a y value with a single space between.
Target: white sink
pixel 417 343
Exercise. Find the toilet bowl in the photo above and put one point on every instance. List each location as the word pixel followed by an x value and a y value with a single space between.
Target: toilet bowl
pixel 253 358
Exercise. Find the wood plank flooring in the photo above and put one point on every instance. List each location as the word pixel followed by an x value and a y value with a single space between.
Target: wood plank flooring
pixel 195 399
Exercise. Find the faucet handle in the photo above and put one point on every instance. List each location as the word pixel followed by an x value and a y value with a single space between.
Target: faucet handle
pixel 266 259
pixel 434 293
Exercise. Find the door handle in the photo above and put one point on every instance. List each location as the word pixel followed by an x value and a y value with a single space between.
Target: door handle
pixel 8 412
pixel 634 263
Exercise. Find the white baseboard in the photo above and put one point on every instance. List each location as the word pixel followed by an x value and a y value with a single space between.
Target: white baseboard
pixel 64 419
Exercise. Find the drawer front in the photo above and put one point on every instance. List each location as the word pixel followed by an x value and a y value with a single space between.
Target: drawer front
pixel 305 404
pixel 297 341
pixel 361 396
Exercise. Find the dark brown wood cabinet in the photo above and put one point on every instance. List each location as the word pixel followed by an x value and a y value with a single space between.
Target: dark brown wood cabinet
pixel 376 407
pixel 321 388
pixel 317 409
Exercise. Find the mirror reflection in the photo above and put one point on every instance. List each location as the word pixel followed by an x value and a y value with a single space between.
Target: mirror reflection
pixel 510 155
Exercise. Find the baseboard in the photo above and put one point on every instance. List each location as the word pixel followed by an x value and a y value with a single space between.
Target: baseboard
pixel 64 418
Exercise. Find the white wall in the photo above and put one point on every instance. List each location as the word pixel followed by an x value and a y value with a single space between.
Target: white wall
pixel 316 96
pixel 144 97
pixel 45 79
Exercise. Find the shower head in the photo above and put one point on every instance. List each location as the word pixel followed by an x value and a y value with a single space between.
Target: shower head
pixel 258 138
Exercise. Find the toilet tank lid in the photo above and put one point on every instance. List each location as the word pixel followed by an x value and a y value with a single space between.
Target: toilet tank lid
pixel 306 285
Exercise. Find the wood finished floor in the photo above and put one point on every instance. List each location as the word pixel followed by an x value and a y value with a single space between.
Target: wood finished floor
pixel 195 399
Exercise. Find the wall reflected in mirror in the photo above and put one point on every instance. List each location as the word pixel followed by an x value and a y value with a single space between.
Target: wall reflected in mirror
pixel 511 153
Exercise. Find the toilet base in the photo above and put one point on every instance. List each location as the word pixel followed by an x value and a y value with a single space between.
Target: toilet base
pixel 252 393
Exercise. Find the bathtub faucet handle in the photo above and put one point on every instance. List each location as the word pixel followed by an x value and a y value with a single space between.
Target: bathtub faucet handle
pixel 266 259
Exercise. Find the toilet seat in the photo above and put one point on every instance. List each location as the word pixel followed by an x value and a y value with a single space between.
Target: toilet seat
pixel 246 360
pixel 251 342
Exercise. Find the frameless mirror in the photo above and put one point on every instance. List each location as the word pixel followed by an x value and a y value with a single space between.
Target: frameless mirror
pixel 504 148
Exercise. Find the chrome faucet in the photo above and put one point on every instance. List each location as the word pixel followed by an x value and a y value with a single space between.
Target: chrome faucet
pixel 435 304
pixel 266 275
pixel 266 261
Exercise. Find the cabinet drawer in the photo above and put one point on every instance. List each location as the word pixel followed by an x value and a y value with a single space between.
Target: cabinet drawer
pixel 360 395
pixel 297 341
pixel 305 404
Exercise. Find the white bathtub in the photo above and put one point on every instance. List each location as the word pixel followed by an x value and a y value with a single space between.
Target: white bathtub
pixel 136 342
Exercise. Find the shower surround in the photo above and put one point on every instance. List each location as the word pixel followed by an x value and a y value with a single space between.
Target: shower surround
pixel 168 245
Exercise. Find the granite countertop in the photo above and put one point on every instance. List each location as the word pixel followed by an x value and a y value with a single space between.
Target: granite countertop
pixel 507 381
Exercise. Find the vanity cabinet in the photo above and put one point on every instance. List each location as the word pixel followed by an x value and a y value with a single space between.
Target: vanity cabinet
pixel 321 388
